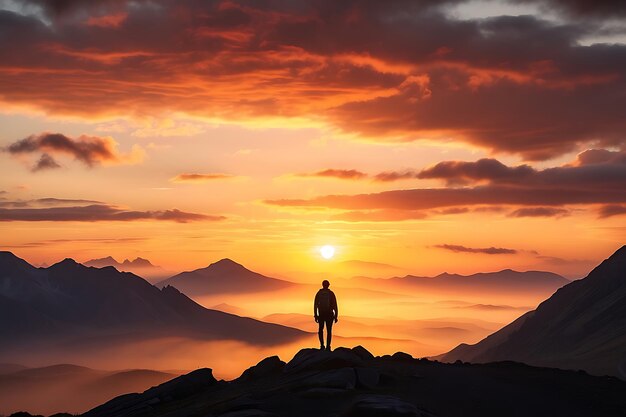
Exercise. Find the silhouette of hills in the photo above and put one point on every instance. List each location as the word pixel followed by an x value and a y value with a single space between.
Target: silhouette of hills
pixel 506 280
pixel 354 383
pixel 71 301
pixel 69 387
pixel 581 326
pixel 139 266
pixel 224 276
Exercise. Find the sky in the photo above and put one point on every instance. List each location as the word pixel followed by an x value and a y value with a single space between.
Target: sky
pixel 433 136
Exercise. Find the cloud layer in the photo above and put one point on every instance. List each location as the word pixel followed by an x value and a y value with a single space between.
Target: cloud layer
pixel 595 177
pixel 392 70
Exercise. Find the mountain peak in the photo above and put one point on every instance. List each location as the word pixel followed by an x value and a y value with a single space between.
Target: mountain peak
pixel 66 262
pixel 138 262
pixel 227 263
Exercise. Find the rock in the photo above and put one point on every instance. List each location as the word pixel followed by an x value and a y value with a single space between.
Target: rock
pixel 362 353
pixel 344 378
pixel 313 359
pixel 402 357
pixel 267 367
pixel 383 406
pixel 367 377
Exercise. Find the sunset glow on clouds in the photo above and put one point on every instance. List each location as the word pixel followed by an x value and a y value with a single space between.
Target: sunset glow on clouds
pixel 391 129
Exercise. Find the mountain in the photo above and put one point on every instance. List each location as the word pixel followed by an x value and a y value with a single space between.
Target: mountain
pixel 69 301
pixel 70 388
pixel 506 280
pixel 224 276
pixel 582 326
pixel 354 383
pixel 138 266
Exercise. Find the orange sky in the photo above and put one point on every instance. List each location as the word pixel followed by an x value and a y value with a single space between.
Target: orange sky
pixel 413 135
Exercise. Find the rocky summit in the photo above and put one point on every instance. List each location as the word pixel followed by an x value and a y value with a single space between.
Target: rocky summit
pixel 352 382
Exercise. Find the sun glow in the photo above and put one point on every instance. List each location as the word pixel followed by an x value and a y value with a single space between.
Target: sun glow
pixel 327 251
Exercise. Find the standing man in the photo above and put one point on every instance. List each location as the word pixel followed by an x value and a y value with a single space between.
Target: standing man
pixel 325 311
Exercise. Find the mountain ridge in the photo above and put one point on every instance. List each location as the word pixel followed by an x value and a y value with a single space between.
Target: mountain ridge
pixel 581 326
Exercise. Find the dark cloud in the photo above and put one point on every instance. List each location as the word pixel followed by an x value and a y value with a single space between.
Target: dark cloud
pixel 539 212
pixel 594 168
pixel 389 176
pixel 99 212
pixel 459 172
pixel 611 210
pixel 197 178
pixel 392 70
pixel 419 199
pixel 45 162
pixel 344 174
pixel 90 150
pixel 487 251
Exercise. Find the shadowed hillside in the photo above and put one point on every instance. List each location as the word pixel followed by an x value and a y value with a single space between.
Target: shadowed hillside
pixel 582 326
pixel 71 302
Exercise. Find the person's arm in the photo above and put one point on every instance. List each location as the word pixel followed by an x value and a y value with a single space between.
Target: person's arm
pixel 336 307
pixel 315 306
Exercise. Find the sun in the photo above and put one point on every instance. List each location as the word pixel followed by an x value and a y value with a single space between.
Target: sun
pixel 327 251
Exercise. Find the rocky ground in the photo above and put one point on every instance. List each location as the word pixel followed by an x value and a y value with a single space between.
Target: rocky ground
pixel 352 382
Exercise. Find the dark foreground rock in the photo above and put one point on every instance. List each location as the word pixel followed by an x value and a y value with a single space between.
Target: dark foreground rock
pixel 353 383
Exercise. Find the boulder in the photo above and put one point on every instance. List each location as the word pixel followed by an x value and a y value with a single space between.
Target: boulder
pixel 267 367
pixel 362 353
pixel 344 378
pixel 317 360
pixel 402 357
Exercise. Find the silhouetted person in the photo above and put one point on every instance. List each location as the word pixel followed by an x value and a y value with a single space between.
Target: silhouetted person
pixel 325 311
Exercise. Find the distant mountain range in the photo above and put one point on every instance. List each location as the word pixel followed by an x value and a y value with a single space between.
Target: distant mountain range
pixel 69 388
pixel 70 301
pixel 582 326
pixel 138 266
pixel 224 276
pixel 506 280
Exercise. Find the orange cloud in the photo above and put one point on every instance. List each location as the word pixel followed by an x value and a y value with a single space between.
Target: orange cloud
pixel 98 213
pixel 344 174
pixel 367 69
pixel 199 178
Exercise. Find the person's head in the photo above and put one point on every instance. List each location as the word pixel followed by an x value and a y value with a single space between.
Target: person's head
pixel 325 283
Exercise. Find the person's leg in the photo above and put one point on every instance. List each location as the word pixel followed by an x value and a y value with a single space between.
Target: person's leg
pixel 329 332
pixel 320 332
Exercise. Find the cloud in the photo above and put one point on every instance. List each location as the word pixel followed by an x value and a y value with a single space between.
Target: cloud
pixel 592 169
pixel 200 178
pixel 392 70
pixel 389 176
pixel 45 162
pixel 486 251
pixel 419 199
pixel 343 174
pixel 90 150
pixel 611 210
pixel 460 172
pixel 539 212
pixel 97 213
